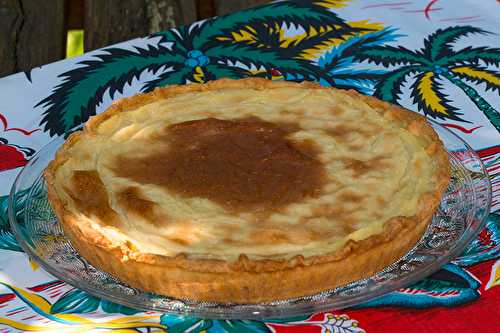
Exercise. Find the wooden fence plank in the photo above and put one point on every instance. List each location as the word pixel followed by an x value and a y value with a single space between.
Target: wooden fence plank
pixel 74 14
pixel 35 34
pixel 43 33
pixel 165 14
pixel 223 7
pixel 10 23
pixel 112 21
pixel 205 9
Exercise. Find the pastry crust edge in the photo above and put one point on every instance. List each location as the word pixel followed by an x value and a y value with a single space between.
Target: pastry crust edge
pixel 245 280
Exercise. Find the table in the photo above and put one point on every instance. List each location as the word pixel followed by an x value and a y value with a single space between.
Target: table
pixel 435 57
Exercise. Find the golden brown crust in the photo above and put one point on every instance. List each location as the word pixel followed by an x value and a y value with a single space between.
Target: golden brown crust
pixel 246 286
pixel 243 280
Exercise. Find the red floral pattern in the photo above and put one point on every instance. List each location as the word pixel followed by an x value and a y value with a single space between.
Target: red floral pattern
pixel 11 157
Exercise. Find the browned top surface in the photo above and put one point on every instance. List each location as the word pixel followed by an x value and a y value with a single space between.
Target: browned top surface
pixel 364 167
pixel 243 165
pixel 90 196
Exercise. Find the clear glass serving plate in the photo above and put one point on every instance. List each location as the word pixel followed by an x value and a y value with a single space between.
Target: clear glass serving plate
pixel 460 217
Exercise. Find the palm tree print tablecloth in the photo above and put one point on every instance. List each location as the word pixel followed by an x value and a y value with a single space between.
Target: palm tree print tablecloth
pixel 440 58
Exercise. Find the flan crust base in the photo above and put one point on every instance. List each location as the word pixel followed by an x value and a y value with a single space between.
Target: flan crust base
pixel 245 280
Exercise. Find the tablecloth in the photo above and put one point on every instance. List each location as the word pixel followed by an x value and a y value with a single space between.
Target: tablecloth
pixel 439 58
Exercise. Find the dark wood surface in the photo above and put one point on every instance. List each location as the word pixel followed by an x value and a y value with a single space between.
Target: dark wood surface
pixel 205 8
pixel 112 21
pixel 74 14
pixel 223 7
pixel 10 22
pixel 32 33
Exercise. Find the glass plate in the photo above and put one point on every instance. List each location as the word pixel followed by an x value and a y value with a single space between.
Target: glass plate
pixel 460 217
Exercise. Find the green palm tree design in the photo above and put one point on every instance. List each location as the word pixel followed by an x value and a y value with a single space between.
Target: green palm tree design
pixel 78 301
pixel 438 60
pixel 203 51
pixel 7 239
pixel 178 324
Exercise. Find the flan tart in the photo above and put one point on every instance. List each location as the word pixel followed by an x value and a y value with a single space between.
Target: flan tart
pixel 247 190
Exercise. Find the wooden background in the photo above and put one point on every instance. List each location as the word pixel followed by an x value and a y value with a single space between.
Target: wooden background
pixel 34 32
